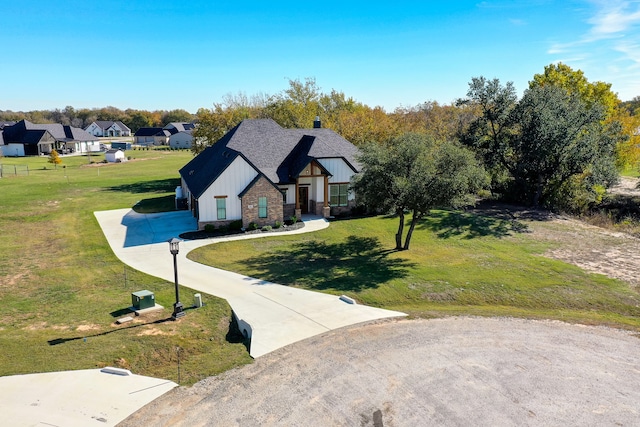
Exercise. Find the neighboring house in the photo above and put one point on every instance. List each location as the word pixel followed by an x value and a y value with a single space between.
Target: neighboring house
pixel 183 139
pixel 114 156
pixel 29 139
pixel 260 172
pixel 175 127
pixel 108 128
pixel 151 136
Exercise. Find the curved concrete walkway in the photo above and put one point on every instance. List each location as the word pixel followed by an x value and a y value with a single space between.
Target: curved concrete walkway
pixel 273 315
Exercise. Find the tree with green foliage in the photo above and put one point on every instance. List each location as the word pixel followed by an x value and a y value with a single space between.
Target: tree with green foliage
pixel 179 115
pixel 560 136
pixel 54 158
pixel 416 174
pixel 213 123
pixel 545 143
pixel 297 106
pixel 489 134
pixel 596 94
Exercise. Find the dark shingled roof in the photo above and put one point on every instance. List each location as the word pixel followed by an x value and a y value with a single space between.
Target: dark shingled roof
pixel 175 127
pixel 25 132
pixel 149 132
pixel 277 153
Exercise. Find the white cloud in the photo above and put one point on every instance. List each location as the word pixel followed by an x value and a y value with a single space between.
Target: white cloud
pixel 614 17
pixel 610 49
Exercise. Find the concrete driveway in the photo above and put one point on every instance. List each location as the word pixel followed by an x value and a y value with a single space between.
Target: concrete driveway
pixel 91 397
pixel 271 314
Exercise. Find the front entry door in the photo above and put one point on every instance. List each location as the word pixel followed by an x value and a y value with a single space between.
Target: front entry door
pixel 303 197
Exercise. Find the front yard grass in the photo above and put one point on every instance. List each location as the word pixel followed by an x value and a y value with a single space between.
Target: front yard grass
pixel 459 263
pixel 60 282
pixel 61 287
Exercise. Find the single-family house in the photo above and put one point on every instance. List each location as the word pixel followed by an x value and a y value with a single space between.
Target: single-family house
pixel 262 173
pixel 108 128
pixel 30 139
pixel 182 139
pixel 115 156
pixel 151 136
pixel 175 127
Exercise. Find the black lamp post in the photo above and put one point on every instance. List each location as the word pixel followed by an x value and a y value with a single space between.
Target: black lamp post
pixel 177 307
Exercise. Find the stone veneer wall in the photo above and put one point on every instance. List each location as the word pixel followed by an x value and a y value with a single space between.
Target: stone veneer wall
pixel 288 210
pixel 262 188
pixel 339 210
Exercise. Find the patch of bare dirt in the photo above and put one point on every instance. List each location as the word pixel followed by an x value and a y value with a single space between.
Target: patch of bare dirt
pixel 627 186
pixel 83 328
pixel 151 331
pixel 594 249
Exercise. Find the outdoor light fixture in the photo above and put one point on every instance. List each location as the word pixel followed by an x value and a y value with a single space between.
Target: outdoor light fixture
pixel 178 310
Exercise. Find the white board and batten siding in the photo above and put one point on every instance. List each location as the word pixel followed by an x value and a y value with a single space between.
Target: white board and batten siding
pixel 180 140
pixel 340 171
pixel 230 183
pixel 291 193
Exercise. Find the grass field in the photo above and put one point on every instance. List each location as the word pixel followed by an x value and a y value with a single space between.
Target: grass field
pixel 459 263
pixel 60 282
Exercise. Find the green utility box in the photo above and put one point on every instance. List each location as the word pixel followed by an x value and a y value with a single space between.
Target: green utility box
pixel 143 299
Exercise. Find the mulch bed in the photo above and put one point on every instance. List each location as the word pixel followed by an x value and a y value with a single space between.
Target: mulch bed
pixel 202 234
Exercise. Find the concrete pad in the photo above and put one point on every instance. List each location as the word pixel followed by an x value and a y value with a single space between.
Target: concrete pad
pixel 143 311
pixel 76 398
pixel 124 320
pixel 273 315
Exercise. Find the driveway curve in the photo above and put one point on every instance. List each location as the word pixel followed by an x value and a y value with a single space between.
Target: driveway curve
pixel 272 315
pixel 461 371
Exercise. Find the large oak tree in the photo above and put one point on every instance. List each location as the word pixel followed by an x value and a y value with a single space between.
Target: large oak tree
pixel 415 174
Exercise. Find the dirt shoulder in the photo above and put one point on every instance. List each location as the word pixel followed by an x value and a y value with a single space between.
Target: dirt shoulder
pixel 594 249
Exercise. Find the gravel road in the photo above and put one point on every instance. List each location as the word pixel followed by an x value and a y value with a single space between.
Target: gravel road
pixel 457 371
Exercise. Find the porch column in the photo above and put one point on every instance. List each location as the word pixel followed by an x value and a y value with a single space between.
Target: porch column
pixel 326 210
pixel 298 211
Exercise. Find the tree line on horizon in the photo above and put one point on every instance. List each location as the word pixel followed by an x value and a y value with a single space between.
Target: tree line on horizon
pixel 83 117
pixel 560 145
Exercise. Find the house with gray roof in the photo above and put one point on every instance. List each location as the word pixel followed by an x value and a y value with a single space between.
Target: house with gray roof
pixel 262 173
pixel 151 136
pixel 182 139
pixel 108 128
pixel 31 139
pixel 175 127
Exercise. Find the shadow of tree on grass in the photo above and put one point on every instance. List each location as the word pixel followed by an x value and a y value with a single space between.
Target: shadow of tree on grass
pixel 355 264
pixel 156 186
pixel 469 225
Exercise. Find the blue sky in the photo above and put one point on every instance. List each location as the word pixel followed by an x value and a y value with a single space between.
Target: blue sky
pixel 161 54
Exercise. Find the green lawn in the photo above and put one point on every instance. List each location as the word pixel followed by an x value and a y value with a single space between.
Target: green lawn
pixel 459 263
pixel 61 287
pixel 60 282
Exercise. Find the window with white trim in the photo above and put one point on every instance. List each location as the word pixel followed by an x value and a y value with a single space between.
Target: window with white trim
pixel 221 206
pixel 338 194
pixel 262 207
